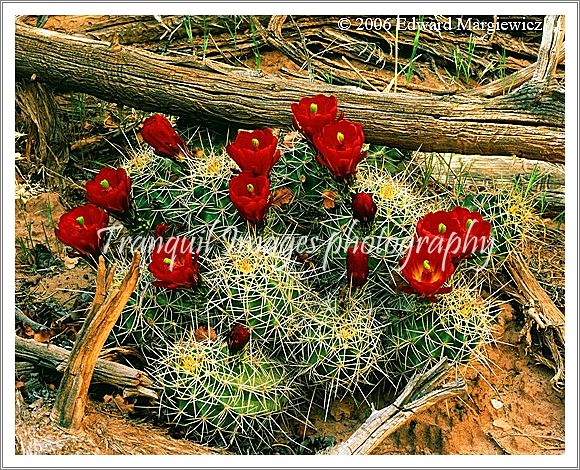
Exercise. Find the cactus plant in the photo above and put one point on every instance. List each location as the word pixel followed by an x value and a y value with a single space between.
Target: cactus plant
pixel 222 399
pixel 338 346
pixel 281 284
pixel 422 332
pixel 260 285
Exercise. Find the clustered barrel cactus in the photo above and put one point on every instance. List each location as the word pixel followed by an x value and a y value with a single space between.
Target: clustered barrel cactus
pixel 285 270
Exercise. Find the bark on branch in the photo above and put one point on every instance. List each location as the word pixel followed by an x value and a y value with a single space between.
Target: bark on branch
pixel 133 382
pixel 72 396
pixel 418 395
pixel 523 123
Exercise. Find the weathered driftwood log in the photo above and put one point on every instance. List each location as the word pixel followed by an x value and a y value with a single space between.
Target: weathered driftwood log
pixel 72 396
pixel 133 382
pixel 475 171
pixel 419 394
pixel 524 123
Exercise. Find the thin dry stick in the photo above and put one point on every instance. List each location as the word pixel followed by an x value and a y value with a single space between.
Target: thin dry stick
pixel 71 400
pixel 355 70
pixel 396 54
pixel 20 316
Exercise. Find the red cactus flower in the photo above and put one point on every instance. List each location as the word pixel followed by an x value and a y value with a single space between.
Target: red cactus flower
pixel 311 114
pixel 174 265
pixel 463 232
pixel 110 190
pixel 251 196
pixel 357 264
pixel 82 228
pixel 255 152
pixel 158 132
pixel 475 232
pixel 238 338
pixel 427 267
pixel 444 225
pixel 339 145
pixel 363 207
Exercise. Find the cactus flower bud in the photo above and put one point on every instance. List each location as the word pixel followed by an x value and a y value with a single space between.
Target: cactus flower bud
pixel 363 207
pixel 357 264
pixel 238 338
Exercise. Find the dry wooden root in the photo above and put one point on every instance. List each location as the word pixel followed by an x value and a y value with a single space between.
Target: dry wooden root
pixel 543 316
pixel 72 396
pixel 346 55
pixel 133 382
pixel 418 395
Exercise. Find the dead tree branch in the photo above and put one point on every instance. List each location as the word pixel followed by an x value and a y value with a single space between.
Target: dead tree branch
pixel 133 382
pixel 543 316
pixel 419 394
pixel 72 396
pixel 516 124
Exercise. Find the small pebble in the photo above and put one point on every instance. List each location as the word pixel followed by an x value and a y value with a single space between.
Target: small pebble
pixel 502 424
pixel 496 404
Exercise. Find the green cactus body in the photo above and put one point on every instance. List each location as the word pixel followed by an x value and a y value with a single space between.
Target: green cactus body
pixel 513 219
pixel 298 171
pixel 220 398
pixel 260 287
pixel 422 332
pixel 191 196
pixel 339 348
pixel 152 190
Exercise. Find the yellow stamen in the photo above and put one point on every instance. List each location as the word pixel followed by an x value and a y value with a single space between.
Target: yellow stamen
pixel 340 137
pixel 255 143
pixel 442 228
pixel 469 222
pixel 105 184
pixel 426 265
pixel 250 187
pixel 167 261
pixel 81 220
pixel 313 108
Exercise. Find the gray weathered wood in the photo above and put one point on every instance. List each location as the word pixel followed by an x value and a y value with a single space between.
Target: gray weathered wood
pixel 523 123
pixel 418 395
pixel 476 171
pixel 132 381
